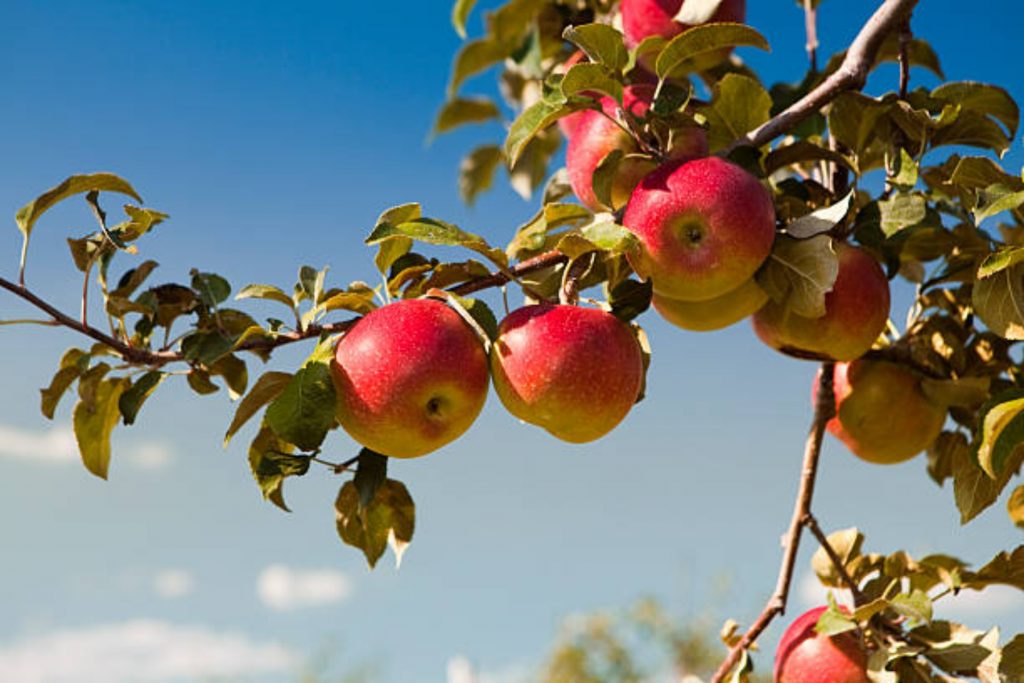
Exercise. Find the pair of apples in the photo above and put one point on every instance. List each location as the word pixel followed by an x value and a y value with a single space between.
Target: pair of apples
pixel 412 376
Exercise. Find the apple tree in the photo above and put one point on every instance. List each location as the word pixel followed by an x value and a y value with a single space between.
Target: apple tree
pixel 691 187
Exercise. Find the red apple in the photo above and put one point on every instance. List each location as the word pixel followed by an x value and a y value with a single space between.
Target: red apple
pixel 705 227
pixel 881 413
pixel 574 371
pixel 713 314
pixel 644 18
pixel 410 377
pixel 596 135
pixel 856 312
pixel 806 656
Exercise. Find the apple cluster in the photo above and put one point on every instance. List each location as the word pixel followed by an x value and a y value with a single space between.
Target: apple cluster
pixel 413 376
pixel 706 228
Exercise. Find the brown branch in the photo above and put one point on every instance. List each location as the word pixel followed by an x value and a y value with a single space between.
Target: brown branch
pixel 905 37
pixel 824 409
pixel 852 74
pixel 158 358
pixel 133 355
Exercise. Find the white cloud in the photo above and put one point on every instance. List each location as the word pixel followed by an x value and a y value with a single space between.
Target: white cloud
pixel 173 583
pixel 812 594
pixel 284 588
pixel 461 670
pixel 56 446
pixel 142 651
pixel 973 606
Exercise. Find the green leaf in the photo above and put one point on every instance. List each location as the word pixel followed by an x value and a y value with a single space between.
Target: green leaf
pixel 94 418
pixel 269 292
pixel 476 172
pixel 973 489
pixel 533 236
pixel 738 105
pixel 1015 506
pixel 133 279
pixel 996 199
pixel 389 518
pixel 854 120
pixel 528 172
pixel 460 13
pixel 465 110
pixel 902 210
pixel 234 372
pixel 357 301
pixel 303 413
pixel 437 232
pixel 268 387
pixel 847 545
pixel 371 472
pixel 604 176
pixel 1006 568
pixel 199 381
pixel 474 57
pixel 78 184
pixel 965 392
pixel 532 121
pixel 271 462
pixel 132 399
pixel 821 220
pixel 587 78
pixel 703 39
pixel 211 288
pixel 984 99
pixel 916 606
pixel 799 273
pixel 72 364
pixel 629 298
pixel 601 43
pixel 695 12
pixel 832 622
pixel 998 299
pixel 1002 431
pixel 801 151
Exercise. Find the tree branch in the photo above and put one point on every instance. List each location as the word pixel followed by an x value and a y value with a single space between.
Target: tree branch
pixel 158 358
pixel 824 410
pixel 811 522
pixel 811 28
pixel 851 74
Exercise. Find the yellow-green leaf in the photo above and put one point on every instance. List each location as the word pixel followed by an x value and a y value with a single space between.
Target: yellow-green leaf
pixel 94 420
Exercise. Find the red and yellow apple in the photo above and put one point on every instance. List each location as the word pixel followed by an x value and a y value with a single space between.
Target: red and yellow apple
pixel 856 312
pixel 705 227
pixel 596 135
pixel 644 18
pixel 806 656
pixel 713 314
pixel 410 377
pixel 574 371
pixel 881 413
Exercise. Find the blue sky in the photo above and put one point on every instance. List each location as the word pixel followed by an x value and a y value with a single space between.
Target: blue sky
pixel 274 134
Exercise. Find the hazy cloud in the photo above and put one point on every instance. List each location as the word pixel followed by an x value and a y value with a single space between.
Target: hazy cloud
pixel 285 588
pixel 461 670
pixel 140 651
pixel 978 606
pixel 56 446
pixel 173 583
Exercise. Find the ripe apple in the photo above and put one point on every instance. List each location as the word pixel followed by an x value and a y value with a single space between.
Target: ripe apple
pixel 574 371
pixel 705 227
pixel 881 413
pixel 644 18
pixel 410 377
pixel 806 656
pixel 713 314
pixel 596 135
pixel 856 312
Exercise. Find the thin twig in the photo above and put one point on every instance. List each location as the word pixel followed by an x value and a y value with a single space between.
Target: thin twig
pixel 811 522
pixel 852 74
pixel 811 27
pixel 905 37
pixel 824 410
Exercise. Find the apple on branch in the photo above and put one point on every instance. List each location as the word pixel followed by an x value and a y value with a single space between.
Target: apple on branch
pixel 645 18
pixel 705 226
pixel 856 313
pixel 574 371
pixel 596 135
pixel 410 377
pixel 806 656
pixel 882 415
